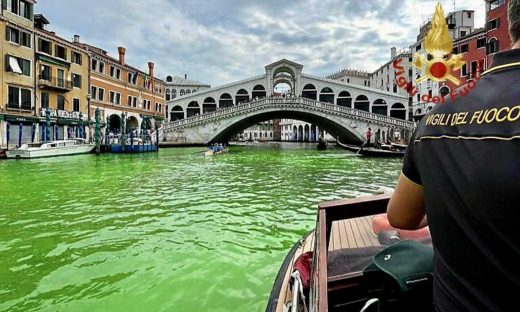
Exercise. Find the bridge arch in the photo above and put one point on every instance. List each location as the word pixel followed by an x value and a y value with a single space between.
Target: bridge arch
pixel 344 99
pixel 398 110
pixel 362 103
pixel 242 96
pixel 328 123
pixel 294 134
pixel 258 92
pixel 380 107
pixel 209 105
pixel 193 109
pixel 226 100
pixel 310 92
pixel 327 95
pixel 176 113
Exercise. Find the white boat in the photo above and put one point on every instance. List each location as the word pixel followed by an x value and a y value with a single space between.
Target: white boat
pixel 50 149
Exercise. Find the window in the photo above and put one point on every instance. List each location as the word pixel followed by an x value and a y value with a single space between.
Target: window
pixel 129 100
pixel 469 14
pixel 474 66
pixel 102 67
pixel 18 65
pixel 174 93
pixel 417 48
pixel 129 77
pixel 112 71
pixel 44 98
pixel 464 48
pixel 495 4
pixel 12 34
pixel 13 97
pixel 481 43
pixel 101 94
pixel 93 93
pixel 76 80
pixel 134 102
pixel 44 46
pixel 115 98
pixel 25 9
pixel 76 58
pixel 493 46
pixel 75 105
pixel 464 70
pixel 462 33
pixel 19 7
pixel 118 73
pixel 61 102
pixel 93 65
pixel 493 24
pixel 45 72
pixel 61 52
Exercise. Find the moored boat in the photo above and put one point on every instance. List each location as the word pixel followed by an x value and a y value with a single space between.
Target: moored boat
pixel 399 146
pixel 51 149
pixel 343 266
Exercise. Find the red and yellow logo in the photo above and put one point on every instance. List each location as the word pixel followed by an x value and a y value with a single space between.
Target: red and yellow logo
pixel 438 43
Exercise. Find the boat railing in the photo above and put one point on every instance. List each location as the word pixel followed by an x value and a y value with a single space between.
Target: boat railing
pixel 147 138
pixel 329 212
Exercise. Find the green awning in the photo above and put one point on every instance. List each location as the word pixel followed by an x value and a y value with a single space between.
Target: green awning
pixel 21 118
pixel 53 60
pixel 68 121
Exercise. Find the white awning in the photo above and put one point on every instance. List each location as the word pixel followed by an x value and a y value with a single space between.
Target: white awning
pixel 15 67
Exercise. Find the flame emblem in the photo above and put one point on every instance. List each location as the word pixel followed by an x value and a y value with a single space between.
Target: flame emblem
pixel 438 43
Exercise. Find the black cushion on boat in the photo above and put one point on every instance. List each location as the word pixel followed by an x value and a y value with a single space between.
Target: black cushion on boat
pixel 350 260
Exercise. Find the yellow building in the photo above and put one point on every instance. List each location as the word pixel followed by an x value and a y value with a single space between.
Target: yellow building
pixel 17 108
pixel 62 83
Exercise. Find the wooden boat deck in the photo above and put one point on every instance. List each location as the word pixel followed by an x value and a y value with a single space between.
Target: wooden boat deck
pixel 350 233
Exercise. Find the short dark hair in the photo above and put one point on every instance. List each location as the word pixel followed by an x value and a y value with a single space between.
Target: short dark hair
pixel 514 20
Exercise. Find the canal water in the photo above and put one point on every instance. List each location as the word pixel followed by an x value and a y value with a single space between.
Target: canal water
pixel 167 231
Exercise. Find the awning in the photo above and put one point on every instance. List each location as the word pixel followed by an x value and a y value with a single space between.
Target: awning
pixel 68 121
pixel 21 118
pixel 15 67
pixel 51 60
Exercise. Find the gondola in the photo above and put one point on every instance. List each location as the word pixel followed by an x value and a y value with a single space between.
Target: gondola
pixel 322 145
pixel 342 264
pixel 372 151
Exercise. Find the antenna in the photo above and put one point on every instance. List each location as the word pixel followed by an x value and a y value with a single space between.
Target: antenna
pixel 454 5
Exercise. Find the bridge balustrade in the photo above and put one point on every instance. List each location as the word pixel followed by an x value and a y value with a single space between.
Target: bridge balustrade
pixel 288 101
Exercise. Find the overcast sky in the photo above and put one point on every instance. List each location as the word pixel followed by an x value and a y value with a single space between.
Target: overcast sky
pixel 221 41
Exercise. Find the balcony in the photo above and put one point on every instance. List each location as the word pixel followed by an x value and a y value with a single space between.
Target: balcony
pixel 54 83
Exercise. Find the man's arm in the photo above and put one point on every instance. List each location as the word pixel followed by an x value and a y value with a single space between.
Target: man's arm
pixel 406 207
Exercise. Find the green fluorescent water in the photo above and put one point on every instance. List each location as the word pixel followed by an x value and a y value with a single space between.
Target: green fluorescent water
pixel 172 231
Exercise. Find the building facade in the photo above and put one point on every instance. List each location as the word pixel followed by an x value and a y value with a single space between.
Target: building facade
pixel 18 112
pixel 178 86
pixel 497 27
pixel 62 85
pixel 129 99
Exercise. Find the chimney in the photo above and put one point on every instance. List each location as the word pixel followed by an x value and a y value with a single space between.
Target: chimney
pixel 393 53
pixel 122 52
pixel 76 38
pixel 150 69
pixel 185 76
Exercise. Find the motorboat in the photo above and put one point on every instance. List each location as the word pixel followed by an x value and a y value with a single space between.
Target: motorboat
pixel 354 261
pixel 51 149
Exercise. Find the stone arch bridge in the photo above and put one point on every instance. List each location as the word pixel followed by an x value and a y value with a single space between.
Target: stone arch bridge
pixel 342 109
pixel 348 124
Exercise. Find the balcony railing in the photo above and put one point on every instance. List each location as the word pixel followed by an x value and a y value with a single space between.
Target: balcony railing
pixel 45 81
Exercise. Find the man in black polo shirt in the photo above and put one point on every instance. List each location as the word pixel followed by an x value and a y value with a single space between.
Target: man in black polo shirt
pixel 462 170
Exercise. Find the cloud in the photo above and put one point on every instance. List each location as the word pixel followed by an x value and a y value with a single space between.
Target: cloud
pixel 227 40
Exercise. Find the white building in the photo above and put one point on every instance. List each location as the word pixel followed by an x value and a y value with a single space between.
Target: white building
pixel 178 86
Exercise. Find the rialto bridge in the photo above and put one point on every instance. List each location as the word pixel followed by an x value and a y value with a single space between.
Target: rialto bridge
pixel 342 109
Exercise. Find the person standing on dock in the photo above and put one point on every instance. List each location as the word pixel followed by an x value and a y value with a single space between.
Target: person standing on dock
pixel 464 176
